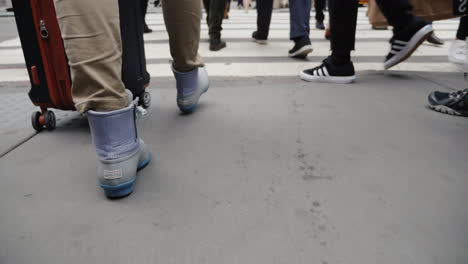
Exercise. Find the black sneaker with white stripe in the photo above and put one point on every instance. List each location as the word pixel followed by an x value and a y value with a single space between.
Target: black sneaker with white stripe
pixel 454 103
pixel 405 41
pixel 329 72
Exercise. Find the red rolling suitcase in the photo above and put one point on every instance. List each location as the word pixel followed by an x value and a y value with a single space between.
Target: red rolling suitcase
pixel 45 59
pixel 47 63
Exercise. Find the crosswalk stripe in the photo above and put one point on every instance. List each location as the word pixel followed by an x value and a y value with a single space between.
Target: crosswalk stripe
pixel 250 49
pixel 244 58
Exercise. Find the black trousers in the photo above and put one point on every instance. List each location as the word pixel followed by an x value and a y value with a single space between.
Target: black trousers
pixel 214 17
pixel 462 32
pixel 264 10
pixel 319 7
pixel 343 18
pixel 144 9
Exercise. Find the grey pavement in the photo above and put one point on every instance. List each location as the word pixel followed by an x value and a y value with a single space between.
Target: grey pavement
pixel 268 170
pixel 7 26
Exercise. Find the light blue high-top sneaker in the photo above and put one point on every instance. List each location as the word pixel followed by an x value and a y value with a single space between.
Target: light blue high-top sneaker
pixel 121 153
pixel 190 86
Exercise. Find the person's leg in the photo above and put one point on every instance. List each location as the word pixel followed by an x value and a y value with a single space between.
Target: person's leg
pixel 144 9
pixel 338 67
pixel 399 13
pixel 319 16
pixel 264 11
pixel 182 19
pixel 206 4
pixel 96 72
pixel 343 19
pixel 215 17
pixel 91 35
pixel 409 31
pixel 299 15
pixel 462 32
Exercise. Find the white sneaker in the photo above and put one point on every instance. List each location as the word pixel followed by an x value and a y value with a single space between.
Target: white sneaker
pixel 458 52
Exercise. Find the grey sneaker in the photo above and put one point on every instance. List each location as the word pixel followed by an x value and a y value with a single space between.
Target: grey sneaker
pixel 454 103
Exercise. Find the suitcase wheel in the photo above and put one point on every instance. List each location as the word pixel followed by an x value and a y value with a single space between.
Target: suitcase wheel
pixel 45 119
pixel 50 121
pixel 145 100
pixel 35 121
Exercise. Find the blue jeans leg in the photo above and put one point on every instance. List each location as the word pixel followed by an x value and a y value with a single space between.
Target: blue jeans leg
pixel 299 13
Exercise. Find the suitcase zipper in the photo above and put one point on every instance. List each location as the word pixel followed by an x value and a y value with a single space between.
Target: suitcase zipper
pixel 43 30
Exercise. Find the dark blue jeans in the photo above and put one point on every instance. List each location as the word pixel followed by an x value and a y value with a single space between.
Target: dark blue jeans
pixel 299 14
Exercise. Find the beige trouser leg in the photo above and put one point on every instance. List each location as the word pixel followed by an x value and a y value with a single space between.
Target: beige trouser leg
pixel 91 34
pixel 182 18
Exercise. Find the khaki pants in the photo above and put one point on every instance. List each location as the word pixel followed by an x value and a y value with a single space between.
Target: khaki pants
pixel 182 18
pixel 91 34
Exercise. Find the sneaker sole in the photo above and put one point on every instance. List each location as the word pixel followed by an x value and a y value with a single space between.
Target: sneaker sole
pixel 260 41
pixel 418 38
pixel 327 79
pixel 447 110
pixel 302 52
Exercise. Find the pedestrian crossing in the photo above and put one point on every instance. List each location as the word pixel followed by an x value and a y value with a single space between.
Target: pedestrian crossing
pixel 245 58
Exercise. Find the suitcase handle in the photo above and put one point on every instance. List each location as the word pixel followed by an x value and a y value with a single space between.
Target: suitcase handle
pixel 35 75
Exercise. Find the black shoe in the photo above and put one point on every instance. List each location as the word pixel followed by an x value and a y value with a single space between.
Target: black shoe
pixel 433 39
pixel 257 39
pixel 405 41
pixel 301 48
pixel 146 29
pixel 454 103
pixel 217 44
pixel 319 25
pixel 329 72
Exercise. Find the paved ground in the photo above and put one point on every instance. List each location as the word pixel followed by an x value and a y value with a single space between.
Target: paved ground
pixel 269 170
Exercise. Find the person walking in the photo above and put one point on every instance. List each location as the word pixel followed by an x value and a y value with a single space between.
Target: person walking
pixel 97 89
pixel 299 16
pixel 409 32
pixel 214 19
